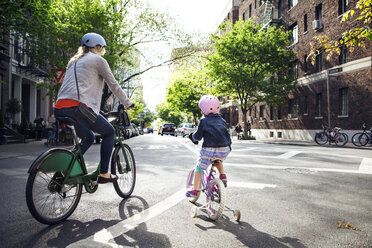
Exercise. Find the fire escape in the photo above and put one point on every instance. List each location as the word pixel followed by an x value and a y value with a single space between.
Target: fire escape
pixel 271 15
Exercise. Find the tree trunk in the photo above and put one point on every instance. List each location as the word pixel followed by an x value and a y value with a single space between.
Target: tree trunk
pixel 245 127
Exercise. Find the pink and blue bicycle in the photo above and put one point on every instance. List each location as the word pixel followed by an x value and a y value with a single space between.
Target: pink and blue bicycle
pixel 215 193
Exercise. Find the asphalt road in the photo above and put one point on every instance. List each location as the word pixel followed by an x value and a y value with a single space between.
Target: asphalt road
pixel 288 195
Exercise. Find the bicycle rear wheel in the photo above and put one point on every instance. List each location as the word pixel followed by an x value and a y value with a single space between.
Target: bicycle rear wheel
pixel 356 139
pixel 216 199
pixel 126 172
pixel 48 200
pixel 341 139
pixel 321 138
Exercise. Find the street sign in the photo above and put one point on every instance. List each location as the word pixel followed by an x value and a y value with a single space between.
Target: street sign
pixel 58 74
pixel 335 70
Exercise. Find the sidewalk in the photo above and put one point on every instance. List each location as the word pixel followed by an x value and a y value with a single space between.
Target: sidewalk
pixel 22 149
pixel 299 143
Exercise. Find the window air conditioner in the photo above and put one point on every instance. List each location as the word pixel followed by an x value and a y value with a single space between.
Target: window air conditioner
pixel 317 24
pixel 289 116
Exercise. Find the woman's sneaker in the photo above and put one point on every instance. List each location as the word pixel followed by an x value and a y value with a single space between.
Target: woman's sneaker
pixel 223 179
pixel 192 193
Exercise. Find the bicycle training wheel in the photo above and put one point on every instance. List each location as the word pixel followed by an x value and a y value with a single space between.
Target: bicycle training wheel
pixel 321 138
pixel 341 139
pixel 48 200
pixel 216 199
pixel 356 139
pixel 190 186
pixel 126 172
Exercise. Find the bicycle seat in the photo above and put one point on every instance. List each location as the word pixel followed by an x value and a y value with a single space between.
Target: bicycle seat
pixel 67 120
pixel 217 161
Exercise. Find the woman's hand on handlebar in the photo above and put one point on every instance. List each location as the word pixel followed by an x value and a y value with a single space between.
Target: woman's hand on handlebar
pixel 130 107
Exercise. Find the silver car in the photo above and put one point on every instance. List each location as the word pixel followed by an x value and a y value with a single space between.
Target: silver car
pixel 185 129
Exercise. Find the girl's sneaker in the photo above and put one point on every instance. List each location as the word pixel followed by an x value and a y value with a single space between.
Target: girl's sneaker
pixel 223 179
pixel 192 193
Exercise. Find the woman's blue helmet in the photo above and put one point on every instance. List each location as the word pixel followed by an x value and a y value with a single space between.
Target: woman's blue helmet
pixel 92 40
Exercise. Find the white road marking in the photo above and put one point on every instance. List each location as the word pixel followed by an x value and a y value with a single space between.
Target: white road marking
pixel 274 167
pixel 288 155
pixel 250 185
pixel 194 150
pixel 105 235
pixel 366 166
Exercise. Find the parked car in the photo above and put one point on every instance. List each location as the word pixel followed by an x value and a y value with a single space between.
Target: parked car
pixel 185 129
pixel 134 129
pixel 150 130
pixel 168 128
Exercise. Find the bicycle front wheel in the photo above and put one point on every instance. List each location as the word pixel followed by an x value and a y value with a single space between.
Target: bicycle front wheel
pixel 48 200
pixel 321 138
pixel 124 166
pixel 216 199
pixel 356 139
pixel 341 139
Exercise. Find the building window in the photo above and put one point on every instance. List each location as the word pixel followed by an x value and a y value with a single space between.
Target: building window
pixel 294 70
pixel 318 12
pixel 294 36
pixel 255 112
pixel 292 3
pixel 262 112
pixel 344 101
pixel 305 23
pixel 306 106
pixel 271 113
pixel 305 63
pixel 243 16
pixel 250 11
pixel 279 112
pixel 280 9
pixel 343 55
pixel 319 62
pixel 319 103
pixel 342 6
pixel 293 108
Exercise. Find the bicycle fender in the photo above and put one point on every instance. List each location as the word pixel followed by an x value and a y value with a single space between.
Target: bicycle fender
pixel 56 159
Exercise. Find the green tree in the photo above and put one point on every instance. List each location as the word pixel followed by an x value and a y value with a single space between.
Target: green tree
pixel 167 114
pixel 361 18
pixel 248 63
pixel 51 31
pixel 187 85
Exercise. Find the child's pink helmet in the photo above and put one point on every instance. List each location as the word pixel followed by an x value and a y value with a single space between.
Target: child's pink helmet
pixel 209 104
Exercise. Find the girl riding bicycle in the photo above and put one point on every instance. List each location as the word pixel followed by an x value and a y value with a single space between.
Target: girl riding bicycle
pixel 216 141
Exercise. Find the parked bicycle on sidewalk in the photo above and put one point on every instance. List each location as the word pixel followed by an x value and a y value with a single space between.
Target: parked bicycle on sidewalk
pixel 331 135
pixel 363 138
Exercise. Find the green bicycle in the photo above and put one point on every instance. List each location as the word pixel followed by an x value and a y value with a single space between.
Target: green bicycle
pixel 56 178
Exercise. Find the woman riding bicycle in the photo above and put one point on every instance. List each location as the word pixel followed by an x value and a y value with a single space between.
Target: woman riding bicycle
pixel 216 140
pixel 90 71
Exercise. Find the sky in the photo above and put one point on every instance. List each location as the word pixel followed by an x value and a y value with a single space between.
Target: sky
pixel 196 16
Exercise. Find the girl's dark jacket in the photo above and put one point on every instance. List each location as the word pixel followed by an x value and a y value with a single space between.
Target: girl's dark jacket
pixel 213 129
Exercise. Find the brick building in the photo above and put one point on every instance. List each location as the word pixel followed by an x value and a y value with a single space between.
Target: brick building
pixel 336 90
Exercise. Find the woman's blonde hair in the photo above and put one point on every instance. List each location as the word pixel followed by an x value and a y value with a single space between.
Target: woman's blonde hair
pixel 83 50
